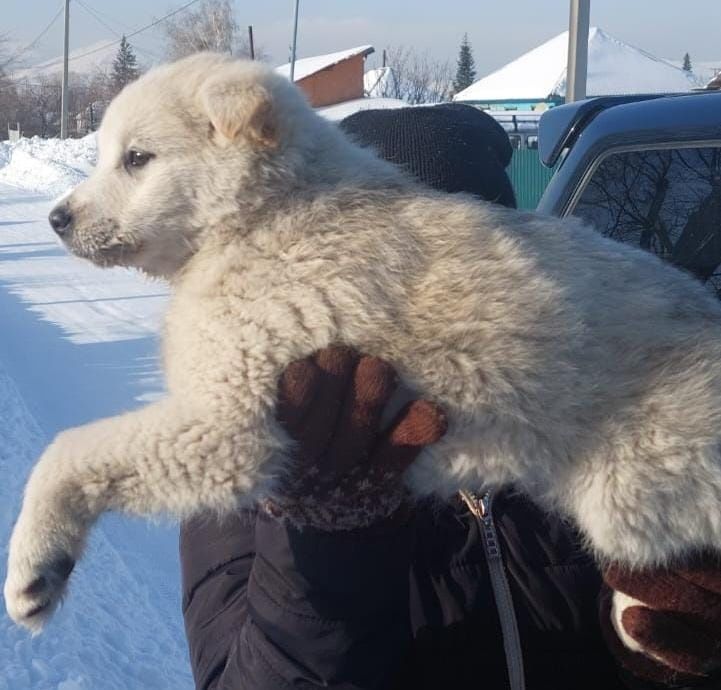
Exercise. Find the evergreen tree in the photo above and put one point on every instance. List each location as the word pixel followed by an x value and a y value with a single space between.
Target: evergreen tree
pixel 125 65
pixel 687 62
pixel 466 69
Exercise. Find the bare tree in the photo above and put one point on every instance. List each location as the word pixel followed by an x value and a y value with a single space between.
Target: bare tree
pixel 211 27
pixel 34 103
pixel 665 201
pixel 8 94
pixel 416 77
pixel 90 95
pixel 38 105
pixel 8 106
pixel 99 85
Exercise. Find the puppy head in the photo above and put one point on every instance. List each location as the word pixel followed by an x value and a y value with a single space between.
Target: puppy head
pixel 182 150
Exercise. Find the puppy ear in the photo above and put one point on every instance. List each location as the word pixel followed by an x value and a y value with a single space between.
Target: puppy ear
pixel 240 110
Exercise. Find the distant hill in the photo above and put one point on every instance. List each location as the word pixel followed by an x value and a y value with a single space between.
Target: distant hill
pixel 84 60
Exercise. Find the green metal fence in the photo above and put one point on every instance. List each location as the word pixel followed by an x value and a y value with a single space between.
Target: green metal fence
pixel 529 177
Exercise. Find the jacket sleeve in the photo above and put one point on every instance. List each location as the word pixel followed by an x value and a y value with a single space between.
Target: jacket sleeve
pixel 216 557
pixel 301 609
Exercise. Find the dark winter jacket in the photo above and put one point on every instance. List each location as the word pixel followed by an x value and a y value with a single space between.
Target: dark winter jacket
pixel 268 607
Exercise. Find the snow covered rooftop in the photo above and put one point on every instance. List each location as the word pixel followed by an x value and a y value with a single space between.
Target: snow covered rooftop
pixel 614 68
pixel 305 67
pixel 343 110
pixel 706 71
pixel 714 83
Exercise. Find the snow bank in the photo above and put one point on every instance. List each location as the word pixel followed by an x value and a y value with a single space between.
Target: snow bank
pixel 51 166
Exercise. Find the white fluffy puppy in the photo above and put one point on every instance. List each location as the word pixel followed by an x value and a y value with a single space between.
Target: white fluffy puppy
pixel 583 371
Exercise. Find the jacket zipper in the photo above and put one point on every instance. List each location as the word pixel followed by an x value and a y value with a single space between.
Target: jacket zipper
pixel 481 508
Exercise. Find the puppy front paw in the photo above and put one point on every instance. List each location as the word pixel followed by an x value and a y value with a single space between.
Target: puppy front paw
pixel 35 587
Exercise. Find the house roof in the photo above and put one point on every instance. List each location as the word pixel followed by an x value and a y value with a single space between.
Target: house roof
pixel 706 71
pixel 614 68
pixel 715 83
pixel 305 67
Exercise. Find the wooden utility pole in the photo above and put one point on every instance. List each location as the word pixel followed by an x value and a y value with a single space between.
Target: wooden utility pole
pixel 577 69
pixel 295 42
pixel 64 95
pixel 251 47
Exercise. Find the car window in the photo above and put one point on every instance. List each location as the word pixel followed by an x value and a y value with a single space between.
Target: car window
pixel 667 201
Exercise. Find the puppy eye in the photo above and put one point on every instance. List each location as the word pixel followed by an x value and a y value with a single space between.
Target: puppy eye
pixel 137 159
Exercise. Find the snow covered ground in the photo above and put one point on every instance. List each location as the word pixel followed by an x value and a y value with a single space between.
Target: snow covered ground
pixel 78 343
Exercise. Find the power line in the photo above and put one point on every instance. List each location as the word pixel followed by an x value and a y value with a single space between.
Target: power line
pixel 111 19
pixel 138 31
pixel 34 42
pixel 98 19
pixel 93 13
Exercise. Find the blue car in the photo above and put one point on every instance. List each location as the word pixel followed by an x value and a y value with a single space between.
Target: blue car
pixel 644 170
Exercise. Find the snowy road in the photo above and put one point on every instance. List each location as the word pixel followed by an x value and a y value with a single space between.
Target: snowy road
pixel 78 343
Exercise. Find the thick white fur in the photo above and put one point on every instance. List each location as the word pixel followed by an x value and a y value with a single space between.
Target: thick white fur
pixel 583 371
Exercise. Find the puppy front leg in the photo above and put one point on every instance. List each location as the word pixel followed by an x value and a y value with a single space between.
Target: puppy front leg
pixel 165 458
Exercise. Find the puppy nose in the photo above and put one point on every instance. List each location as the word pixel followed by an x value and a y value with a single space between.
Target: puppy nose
pixel 60 219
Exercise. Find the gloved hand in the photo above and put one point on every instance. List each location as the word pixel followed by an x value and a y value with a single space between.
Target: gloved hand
pixel 665 625
pixel 346 473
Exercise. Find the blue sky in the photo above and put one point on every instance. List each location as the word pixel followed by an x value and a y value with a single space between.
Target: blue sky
pixel 499 30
